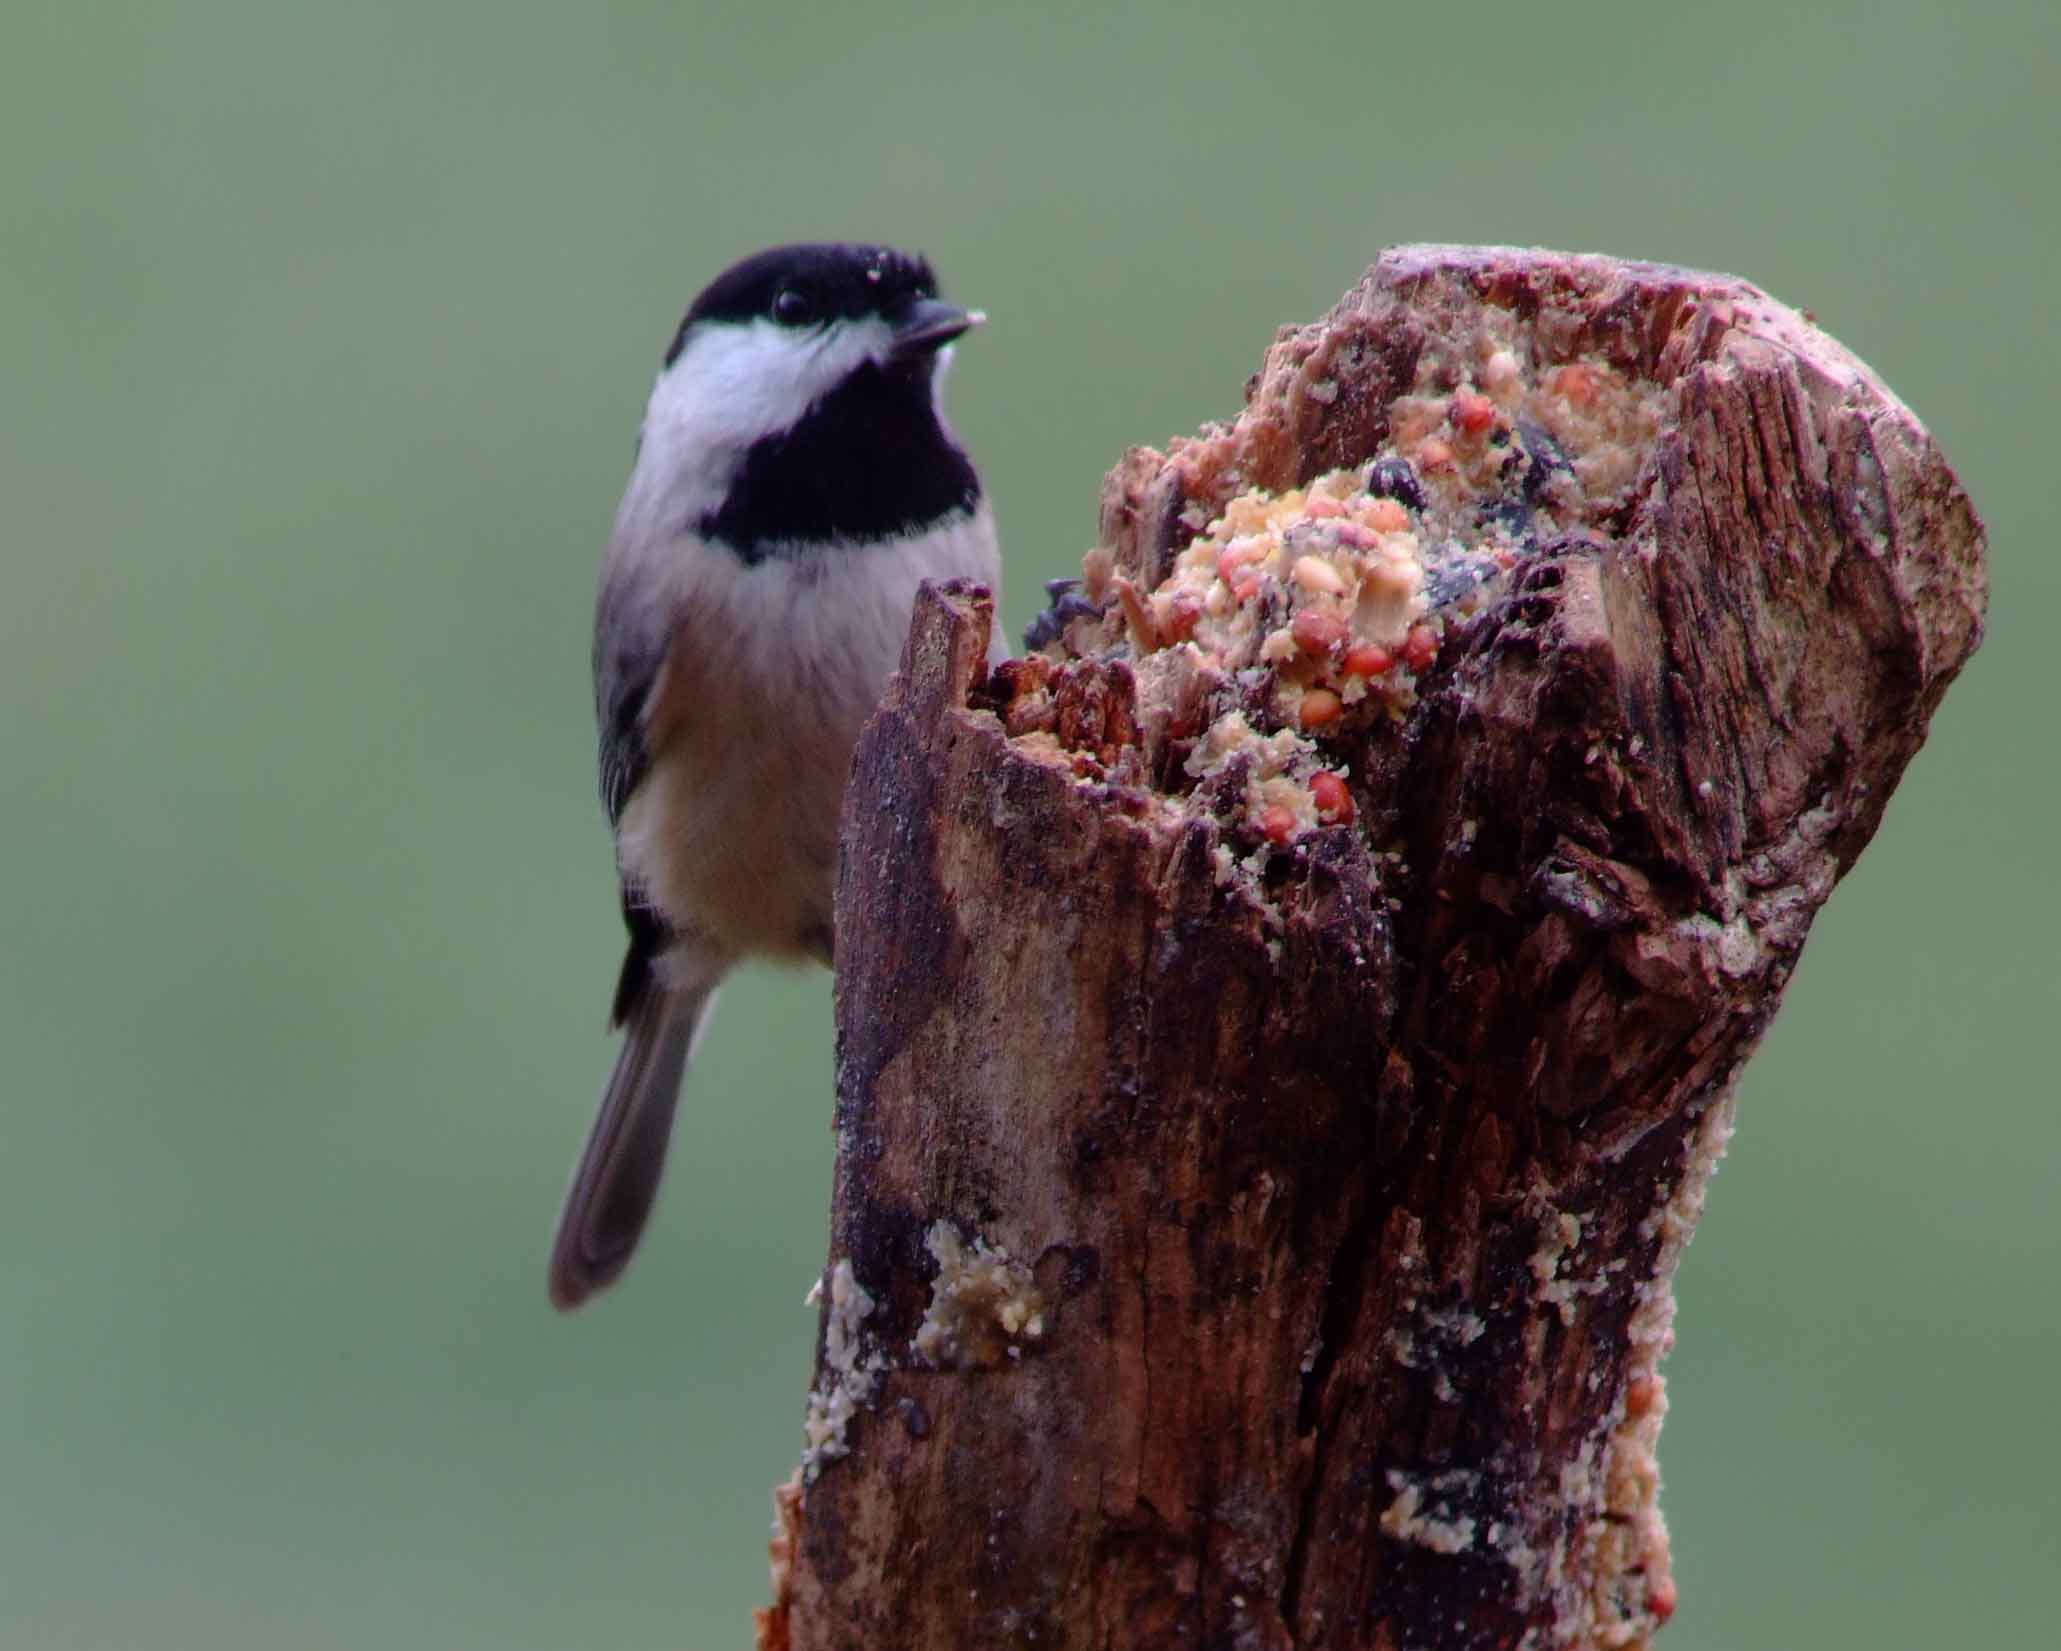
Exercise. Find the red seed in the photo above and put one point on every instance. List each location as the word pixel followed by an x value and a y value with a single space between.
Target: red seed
pixel 1368 659
pixel 1231 560
pixel 1420 648
pixel 1388 516
pixel 1576 384
pixel 1320 708
pixel 1471 414
pixel 1322 504
pixel 1641 1394
pixel 1183 614
pixel 1316 632
pixel 1433 454
pixel 1277 824
pixel 1246 588
pixel 1334 802
pixel 1662 1599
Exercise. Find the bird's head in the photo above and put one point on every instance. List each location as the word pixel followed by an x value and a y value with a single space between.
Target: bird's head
pixel 801 399
pixel 773 336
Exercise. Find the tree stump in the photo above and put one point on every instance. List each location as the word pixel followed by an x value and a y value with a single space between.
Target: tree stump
pixel 1261 1234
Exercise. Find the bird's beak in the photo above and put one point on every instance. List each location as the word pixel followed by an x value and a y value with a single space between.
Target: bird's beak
pixel 929 323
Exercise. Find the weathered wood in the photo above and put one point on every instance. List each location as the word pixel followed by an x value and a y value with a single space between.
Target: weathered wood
pixel 1212 1269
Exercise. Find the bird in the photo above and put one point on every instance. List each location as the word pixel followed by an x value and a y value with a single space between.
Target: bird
pixel 795 482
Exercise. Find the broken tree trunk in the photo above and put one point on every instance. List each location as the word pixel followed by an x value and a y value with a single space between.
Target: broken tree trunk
pixel 1255 1227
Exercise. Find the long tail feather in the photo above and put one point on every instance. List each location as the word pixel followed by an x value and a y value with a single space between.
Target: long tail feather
pixel 617 1179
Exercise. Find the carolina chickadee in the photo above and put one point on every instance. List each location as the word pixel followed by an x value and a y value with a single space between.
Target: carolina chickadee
pixel 794 483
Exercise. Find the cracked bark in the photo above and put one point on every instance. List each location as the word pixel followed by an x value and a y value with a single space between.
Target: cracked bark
pixel 1351 1215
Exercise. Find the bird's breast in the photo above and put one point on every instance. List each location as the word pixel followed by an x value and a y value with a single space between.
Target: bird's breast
pixel 772 670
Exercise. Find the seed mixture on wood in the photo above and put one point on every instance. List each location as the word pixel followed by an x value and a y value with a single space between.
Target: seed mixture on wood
pixel 1294 620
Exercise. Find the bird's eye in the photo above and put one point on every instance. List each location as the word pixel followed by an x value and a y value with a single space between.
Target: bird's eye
pixel 792 308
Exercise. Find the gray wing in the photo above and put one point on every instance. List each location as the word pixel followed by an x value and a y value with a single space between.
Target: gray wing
pixel 631 633
pixel 630 636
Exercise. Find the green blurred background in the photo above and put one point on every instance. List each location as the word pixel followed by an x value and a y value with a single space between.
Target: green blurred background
pixel 324 333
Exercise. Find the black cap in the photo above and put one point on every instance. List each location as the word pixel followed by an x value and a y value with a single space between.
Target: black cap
pixel 811 283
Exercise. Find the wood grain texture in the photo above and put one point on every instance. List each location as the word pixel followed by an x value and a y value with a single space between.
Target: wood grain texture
pixel 1349 1215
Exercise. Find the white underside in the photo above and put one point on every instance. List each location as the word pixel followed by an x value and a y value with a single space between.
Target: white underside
pixel 773 670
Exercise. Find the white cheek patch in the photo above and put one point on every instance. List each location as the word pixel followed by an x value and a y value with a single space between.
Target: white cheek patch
pixel 733 385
